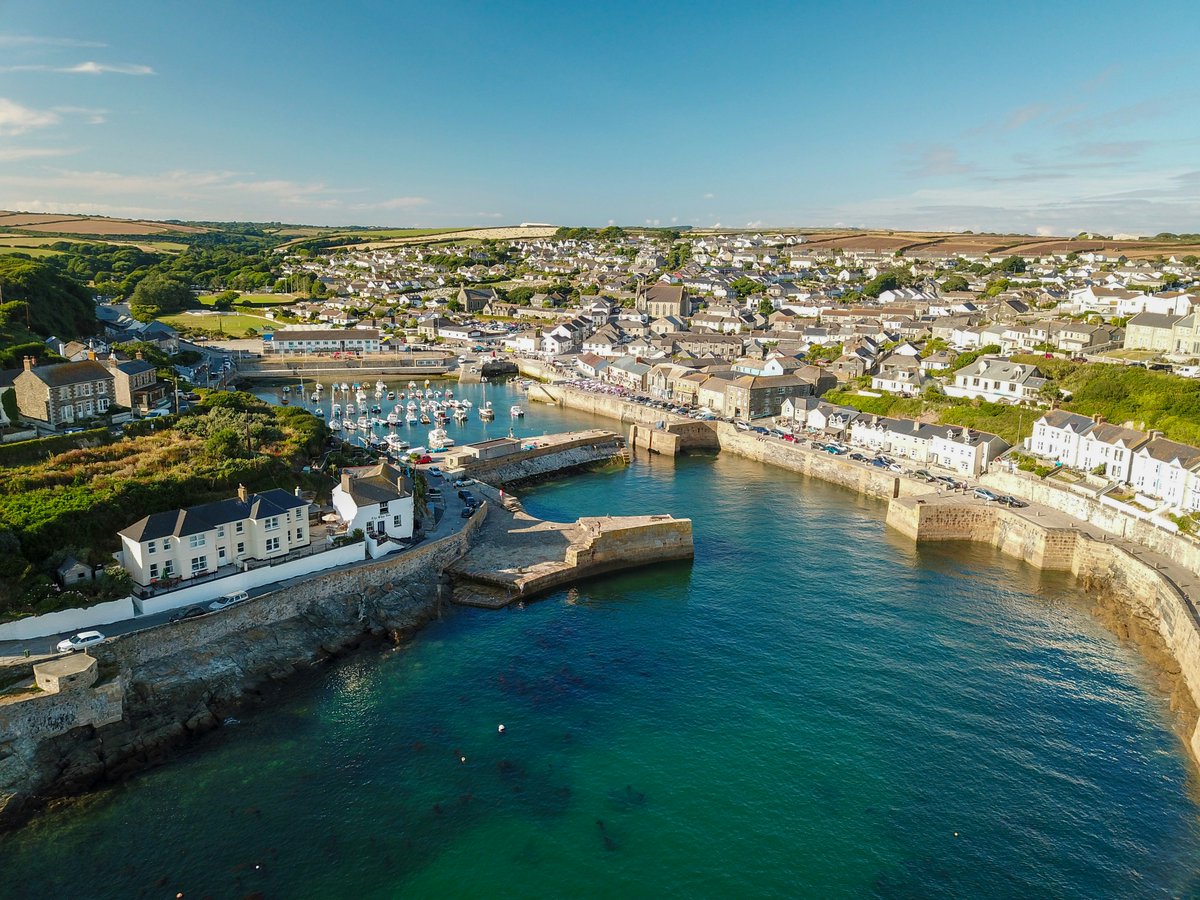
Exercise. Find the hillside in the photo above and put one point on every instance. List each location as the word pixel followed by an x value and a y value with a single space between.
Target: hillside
pixel 55 500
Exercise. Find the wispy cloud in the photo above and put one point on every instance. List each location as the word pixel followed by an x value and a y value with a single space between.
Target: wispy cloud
pixel 936 160
pixel 93 115
pixel 17 154
pixel 18 119
pixel 404 203
pixel 85 68
pixel 33 40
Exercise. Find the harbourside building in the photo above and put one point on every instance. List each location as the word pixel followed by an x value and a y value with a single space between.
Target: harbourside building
pixel 378 501
pixel 289 341
pixel 199 540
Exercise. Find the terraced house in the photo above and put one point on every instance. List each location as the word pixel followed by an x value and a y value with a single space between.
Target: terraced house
pixel 58 396
pixel 199 540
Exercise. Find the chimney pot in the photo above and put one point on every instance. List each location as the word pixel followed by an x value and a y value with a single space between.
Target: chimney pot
pixel 242 493
pixel 28 362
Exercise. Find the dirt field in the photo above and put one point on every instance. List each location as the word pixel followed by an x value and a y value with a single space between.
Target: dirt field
pixel 99 225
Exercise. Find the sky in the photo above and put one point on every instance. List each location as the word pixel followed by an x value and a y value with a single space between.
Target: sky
pixel 1030 117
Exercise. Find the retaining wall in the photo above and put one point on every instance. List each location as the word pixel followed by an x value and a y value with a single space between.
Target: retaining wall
pixel 68 620
pixel 253 578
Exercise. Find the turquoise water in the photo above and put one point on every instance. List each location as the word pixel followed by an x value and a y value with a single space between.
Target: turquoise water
pixel 814 708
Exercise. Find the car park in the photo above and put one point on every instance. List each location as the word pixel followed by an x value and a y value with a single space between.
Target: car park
pixel 81 641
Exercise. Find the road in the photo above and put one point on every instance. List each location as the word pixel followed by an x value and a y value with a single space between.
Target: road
pixel 448 519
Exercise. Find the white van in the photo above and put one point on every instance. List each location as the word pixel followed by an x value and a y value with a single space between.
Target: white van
pixel 227 600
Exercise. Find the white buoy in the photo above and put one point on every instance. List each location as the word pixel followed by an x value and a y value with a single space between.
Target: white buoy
pixel 501 729
pixel 462 759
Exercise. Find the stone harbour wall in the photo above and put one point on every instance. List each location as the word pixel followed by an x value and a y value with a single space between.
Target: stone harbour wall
pixel 1135 596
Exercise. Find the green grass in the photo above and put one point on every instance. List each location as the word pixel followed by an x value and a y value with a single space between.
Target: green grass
pixel 252 300
pixel 30 251
pixel 233 324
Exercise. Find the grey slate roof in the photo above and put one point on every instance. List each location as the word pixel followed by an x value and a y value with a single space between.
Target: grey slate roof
pixel 205 517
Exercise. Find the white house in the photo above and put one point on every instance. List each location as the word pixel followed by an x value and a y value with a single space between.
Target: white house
pixel 997 379
pixel 1111 447
pixel 199 540
pixel 1057 436
pixel 322 340
pixel 377 500
pixel 1169 471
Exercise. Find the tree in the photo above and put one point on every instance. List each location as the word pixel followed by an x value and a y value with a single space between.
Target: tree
pixel 765 306
pixel 955 283
pixel 159 295
pixel 744 287
pixel 225 300
pixel 887 281
pixel 453 306
pixel 1012 264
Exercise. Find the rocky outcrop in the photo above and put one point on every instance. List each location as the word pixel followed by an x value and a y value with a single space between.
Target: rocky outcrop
pixel 162 687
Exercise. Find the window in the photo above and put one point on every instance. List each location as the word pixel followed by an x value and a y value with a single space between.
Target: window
pixel 220 531
pixel 271 523
pixel 153 571
pixel 168 568
pixel 395 521
pixel 196 540
pixel 166 543
pixel 272 544
pixel 199 564
pixel 241 548
pixel 383 508
pixel 239 528
pixel 152 546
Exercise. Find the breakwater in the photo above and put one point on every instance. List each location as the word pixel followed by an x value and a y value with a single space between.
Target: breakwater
pixel 539 457
pixel 1140 576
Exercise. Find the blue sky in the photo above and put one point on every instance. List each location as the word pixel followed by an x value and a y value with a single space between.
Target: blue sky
pixel 1052 117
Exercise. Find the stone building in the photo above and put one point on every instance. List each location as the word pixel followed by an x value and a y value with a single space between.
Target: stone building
pixel 61 395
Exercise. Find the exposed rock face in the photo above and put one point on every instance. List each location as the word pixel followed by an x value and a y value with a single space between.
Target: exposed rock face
pixel 160 688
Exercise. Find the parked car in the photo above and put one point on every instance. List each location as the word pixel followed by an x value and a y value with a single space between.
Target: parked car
pixel 434 471
pixel 924 475
pixel 791 438
pixel 468 511
pixel 80 641
pixel 741 426
pixel 190 613
pixel 947 481
pixel 1014 502
pixel 982 493
pixel 227 600
pixel 858 457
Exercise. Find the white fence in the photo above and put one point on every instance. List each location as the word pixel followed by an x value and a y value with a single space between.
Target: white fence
pixel 68 620
pixel 245 581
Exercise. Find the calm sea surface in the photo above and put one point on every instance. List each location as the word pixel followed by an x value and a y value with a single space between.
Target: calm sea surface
pixel 814 708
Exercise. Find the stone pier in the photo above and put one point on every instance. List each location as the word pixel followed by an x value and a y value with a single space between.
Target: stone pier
pixel 519 556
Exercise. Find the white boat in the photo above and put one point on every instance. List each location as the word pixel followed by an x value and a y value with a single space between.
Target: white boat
pixel 335 424
pixel 449 393
pixel 438 439
pixel 412 385
pixel 460 415
pixel 516 412
pixel 314 396
pixel 349 409
pixel 364 423
pixel 391 395
pixel 425 420
pixel 412 418
pixel 393 418
pixel 349 425
pixel 487 413
pixel 319 413
pixel 467 404
pixel 396 443
pixel 380 387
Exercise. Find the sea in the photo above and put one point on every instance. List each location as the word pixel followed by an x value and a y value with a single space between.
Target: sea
pixel 814 707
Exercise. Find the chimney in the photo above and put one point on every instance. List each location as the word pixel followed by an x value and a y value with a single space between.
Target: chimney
pixel 297 490
pixel 1100 420
pixel 91 355
pixel 242 493
pixel 138 355
pixel 28 362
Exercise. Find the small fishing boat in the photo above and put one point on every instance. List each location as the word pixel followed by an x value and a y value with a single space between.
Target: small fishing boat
pixel 487 413
pixel 516 412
